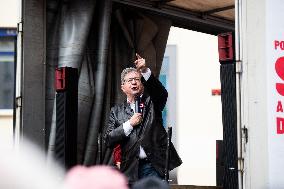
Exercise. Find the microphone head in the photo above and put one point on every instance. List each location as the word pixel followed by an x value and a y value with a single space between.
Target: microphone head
pixel 137 103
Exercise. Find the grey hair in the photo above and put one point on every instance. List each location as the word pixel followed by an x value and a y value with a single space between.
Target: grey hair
pixel 125 72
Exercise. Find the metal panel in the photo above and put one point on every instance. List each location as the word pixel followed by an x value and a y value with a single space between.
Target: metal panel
pixel 203 5
pixel 33 71
pixel 206 5
pixel 181 17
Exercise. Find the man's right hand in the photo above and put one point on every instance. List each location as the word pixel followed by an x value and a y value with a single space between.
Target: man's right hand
pixel 140 64
pixel 135 119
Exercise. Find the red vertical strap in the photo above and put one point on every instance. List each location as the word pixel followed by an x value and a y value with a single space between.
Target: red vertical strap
pixel 60 82
pixel 225 47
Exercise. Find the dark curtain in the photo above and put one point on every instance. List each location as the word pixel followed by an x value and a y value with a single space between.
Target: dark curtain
pixel 100 40
pixel 68 28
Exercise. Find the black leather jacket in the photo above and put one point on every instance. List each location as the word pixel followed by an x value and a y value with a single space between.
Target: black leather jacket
pixel 150 134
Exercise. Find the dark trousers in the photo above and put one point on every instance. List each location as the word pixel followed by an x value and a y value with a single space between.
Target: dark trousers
pixel 146 169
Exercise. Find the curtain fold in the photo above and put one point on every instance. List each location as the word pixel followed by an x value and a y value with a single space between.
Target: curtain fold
pixel 100 62
pixel 68 26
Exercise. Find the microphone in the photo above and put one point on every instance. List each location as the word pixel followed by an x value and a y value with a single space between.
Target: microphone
pixel 137 104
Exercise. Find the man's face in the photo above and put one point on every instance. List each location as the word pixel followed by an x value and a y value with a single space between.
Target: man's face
pixel 132 84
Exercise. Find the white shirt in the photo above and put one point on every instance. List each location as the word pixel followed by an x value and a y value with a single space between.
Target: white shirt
pixel 127 127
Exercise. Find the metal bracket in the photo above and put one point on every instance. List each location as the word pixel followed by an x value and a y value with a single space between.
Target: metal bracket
pixel 20 27
pixel 18 102
pixel 241 164
pixel 239 68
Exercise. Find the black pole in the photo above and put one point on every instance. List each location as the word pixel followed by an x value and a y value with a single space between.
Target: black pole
pixel 14 88
pixel 66 116
pixel 169 138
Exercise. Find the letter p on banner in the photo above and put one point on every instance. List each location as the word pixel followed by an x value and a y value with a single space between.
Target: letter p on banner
pixel 280 125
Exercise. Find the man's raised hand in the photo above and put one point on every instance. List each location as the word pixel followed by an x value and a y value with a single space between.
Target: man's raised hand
pixel 140 63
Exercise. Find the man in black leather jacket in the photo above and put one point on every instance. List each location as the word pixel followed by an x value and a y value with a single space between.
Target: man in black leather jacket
pixel 142 137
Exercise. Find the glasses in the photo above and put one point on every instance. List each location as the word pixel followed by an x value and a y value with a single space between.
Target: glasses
pixel 136 79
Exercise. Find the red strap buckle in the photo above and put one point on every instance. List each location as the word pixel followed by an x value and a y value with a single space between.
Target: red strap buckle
pixel 60 82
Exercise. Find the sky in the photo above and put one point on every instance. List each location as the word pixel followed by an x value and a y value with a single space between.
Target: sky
pixel 9 12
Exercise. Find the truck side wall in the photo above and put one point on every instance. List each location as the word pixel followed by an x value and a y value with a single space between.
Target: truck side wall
pixel 254 90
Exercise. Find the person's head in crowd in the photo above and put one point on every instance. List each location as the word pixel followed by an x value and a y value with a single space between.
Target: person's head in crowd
pixel 23 166
pixel 151 183
pixel 95 177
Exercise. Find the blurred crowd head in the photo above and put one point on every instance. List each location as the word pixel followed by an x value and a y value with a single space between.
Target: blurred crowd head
pixel 23 166
pixel 96 177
